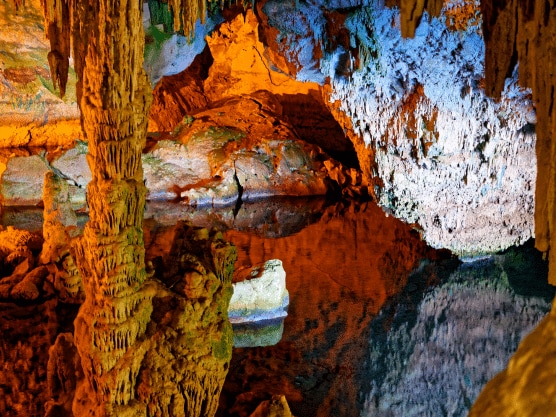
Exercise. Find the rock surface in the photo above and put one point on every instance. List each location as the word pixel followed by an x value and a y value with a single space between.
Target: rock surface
pixel 31 111
pixel 259 293
pixel 439 153
pixel 22 181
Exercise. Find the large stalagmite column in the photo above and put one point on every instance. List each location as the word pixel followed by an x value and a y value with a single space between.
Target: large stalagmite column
pixel 115 97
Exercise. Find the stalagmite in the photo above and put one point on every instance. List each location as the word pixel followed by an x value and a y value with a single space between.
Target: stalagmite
pixel 59 226
pixel 114 103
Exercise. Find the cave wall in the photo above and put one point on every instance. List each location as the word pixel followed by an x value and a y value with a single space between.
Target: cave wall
pixel 435 149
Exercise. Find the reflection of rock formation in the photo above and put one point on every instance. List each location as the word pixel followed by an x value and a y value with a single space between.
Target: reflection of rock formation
pixel 340 271
pixel 191 337
pixel 432 356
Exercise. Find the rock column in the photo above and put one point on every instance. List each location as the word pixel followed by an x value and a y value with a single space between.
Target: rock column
pixel 114 101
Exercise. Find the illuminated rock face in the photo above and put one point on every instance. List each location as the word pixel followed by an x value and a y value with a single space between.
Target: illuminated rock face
pixel 439 152
pixel 240 150
pixel 31 112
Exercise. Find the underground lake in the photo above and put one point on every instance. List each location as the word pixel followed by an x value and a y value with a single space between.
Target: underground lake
pixel 378 324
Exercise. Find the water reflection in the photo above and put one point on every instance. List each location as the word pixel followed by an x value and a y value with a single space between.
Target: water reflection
pixel 377 325
pixel 433 349
pixel 259 334
pixel 340 271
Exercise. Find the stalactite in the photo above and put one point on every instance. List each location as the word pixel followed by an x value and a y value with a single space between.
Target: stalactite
pixel 57 26
pixel 411 12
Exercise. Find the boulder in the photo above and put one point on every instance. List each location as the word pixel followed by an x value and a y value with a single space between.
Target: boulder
pixel 173 171
pixel 22 180
pixel 260 294
pixel 73 166
pixel 245 139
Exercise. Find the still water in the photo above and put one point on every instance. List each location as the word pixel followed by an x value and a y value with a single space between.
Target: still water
pixel 378 325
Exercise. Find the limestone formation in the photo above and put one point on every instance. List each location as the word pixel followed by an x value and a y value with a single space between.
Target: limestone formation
pixel 120 347
pixel 260 294
pixel 17 246
pixel 23 190
pixel 59 227
pixel 420 120
pixel 527 32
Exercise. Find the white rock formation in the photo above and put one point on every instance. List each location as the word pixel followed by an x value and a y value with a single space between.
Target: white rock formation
pixel 442 155
pixel 459 164
pixel 262 295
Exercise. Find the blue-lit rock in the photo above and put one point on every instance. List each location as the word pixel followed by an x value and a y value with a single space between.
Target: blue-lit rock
pixel 438 152
pixel 442 346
